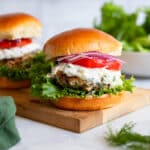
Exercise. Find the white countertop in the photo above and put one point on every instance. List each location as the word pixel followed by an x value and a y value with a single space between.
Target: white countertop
pixel 38 136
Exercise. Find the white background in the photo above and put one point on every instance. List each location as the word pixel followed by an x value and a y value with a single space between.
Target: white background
pixel 57 16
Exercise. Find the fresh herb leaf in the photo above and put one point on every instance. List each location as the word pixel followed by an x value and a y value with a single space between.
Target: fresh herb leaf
pixel 44 87
pixel 133 35
pixel 146 24
pixel 73 92
pixel 127 138
pixel 39 68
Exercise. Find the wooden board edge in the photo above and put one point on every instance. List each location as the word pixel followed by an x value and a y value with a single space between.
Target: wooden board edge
pixel 73 125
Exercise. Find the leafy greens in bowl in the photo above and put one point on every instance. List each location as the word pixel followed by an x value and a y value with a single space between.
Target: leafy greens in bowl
pixel 124 26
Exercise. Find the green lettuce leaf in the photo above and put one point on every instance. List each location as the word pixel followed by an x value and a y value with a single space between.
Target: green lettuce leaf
pixel 13 73
pixel 23 71
pixel 48 89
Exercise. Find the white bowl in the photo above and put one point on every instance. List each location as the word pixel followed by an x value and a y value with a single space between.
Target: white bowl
pixel 136 63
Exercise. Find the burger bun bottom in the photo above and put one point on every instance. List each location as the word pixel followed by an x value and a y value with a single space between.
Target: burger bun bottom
pixel 90 103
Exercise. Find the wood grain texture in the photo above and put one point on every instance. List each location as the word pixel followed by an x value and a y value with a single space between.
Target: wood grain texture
pixel 77 121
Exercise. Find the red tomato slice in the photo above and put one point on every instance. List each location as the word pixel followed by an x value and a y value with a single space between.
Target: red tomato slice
pixel 14 43
pixel 98 63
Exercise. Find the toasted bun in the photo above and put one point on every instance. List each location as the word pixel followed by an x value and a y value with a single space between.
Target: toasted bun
pixel 91 103
pixel 19 25
pixel 81 40
pixel 8 84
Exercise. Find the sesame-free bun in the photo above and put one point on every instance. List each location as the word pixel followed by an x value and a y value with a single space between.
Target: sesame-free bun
pixel 5 83
pixel 81 40
pixel 91 103
pixel 19 25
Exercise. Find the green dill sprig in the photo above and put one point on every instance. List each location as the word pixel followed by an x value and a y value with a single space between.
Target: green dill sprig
pixel 127 138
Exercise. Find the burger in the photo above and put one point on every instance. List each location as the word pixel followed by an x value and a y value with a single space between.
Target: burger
pixel 85 73
pixel 17 48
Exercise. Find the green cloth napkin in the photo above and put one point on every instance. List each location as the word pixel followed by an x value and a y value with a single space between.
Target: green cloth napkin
pixel 9 135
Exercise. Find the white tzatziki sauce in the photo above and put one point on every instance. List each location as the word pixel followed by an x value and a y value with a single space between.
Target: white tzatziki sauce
pixel 18 51
pixel 96 75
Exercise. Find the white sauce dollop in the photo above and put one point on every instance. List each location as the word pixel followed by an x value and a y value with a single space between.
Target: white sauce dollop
pixel 18 51
pixel 96 75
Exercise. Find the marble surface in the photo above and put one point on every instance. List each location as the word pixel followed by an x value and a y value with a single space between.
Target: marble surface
pixel 37 136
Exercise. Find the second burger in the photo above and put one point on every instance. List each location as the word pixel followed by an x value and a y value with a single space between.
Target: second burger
pixel 17 48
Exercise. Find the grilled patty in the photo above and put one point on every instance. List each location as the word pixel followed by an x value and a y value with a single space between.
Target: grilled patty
pixel 17 62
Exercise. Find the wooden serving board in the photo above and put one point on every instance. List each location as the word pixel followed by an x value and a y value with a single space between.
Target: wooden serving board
pixel 77 121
